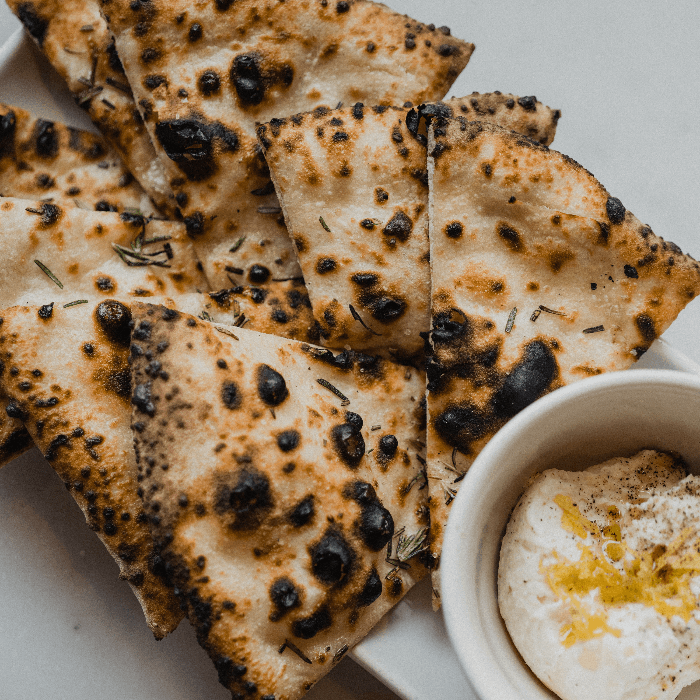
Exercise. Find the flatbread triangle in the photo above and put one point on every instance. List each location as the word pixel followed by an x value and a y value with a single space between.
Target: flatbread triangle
pixel 248 62
pixel 539 278
pixel 284 487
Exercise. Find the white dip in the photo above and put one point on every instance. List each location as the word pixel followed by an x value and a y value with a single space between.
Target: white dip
pixel 599 579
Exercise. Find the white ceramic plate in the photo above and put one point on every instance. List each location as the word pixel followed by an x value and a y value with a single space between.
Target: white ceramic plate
pixel 69 630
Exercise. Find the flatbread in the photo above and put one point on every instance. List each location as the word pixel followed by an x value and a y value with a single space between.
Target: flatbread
pixel 78 248
pixel 540 278
pixel 204 75
pixel 74 37
pixel 66 373
pixel 42 159
pixel 278 308
pixel 362 237
pixel 273 499
pixel 41 240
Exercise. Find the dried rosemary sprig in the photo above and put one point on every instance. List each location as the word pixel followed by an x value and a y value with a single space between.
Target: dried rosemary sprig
pixel 408 546
pixel 49 274
pixel 337 392
pixel 357 317
pixel 324 224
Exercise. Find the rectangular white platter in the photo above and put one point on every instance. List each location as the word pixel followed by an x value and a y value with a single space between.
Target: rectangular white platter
pixel 624 77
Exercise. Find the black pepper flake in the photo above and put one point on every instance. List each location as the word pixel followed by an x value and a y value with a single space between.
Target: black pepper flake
pixel 46 311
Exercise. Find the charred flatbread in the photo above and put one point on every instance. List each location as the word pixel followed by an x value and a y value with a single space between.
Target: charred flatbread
pixel 283 486
pixel 204 75
pixel 43 159
pixel 539 278
pixel 75 405
pixel 361 236
pixel 74 37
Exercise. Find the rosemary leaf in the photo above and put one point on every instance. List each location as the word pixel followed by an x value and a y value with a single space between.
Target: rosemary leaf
pixel 337 392
pixel 75 303
pixel 49 274
pixel 551 311
pixel 237 244
pixel 511 320
pixel 594 329
pixel 226 331
pixel 357 317
pixel 408 547
pixel 293 647
pixel 535 315
pixel 269 209
pixel 324 224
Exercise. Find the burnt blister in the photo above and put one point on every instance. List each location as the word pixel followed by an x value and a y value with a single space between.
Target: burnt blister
pixel 449 325
pixel 461 424
pixel 141 398
pixel 231 395
pixel 303 512
pixel 247 497
pixel 185 139
pixel 37 26
pixel 527 381
pixel 272 388
pixel 332 558
pixel 371 590
pixel 646 327
pixel 376 525
pixel 308 627
pixel 386 308
pixel 209 83
pixel 399 226
pixel 288 440
pixel 284 596
pixel 114 318
pixel 348 443
pixel 45 139
pixel 388 446
pixel 615 210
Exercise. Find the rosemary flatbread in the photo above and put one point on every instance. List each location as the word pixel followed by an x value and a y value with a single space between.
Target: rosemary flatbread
pixel 361 236
pixel 204 75
pixel 278 308
pixel 42 159
pixel 74 37
pixel 61 254
pixel 283 487
pixel 66 373
pixel 539 278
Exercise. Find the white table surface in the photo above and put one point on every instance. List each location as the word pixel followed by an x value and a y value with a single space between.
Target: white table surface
pixel 625 74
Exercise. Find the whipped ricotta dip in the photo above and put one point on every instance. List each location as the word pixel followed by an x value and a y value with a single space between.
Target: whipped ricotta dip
pixel 599 579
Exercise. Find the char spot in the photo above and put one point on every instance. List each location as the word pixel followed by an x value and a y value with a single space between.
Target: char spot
pixel 376 525
pixel 358 111
pixel 141 398
pixel 209 83
pixel 248 498
pixel 381 195
pixel 308 627
pixel 194 224
pixel 325 265
pixel 288 440
pixel 247 79
pixel 33 23
pixel 272 388
pixel 284 596
pixel 342 7
pixel 303 512
pixel 231 395
pixel 332 558
pixel 184 140
pixel 388 446
pixel 386 308
pixel 365 279
pixel 104 284
pixel 154 81
pixel 349 443
pixel 460 425
pixel 510 237
pixel 529 103
pixel 631 272
pixel 527 381
pixel 645 325
pixel 399 226
pixel 371 590
pixel 196 32
pixel 258 274
pixel 615 210
pixel 115 320
pixel 449 325
pixel 46 311
pixel 45 139
pixel 454 230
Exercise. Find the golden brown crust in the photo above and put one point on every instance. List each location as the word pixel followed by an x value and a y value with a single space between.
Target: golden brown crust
pixel 540 278
pixel 42 159
pixel 272 498
pixel 74 37
pixel 75 404
pixel 253 60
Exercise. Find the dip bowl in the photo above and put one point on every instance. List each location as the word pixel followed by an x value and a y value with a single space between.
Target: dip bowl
pixel 572 428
